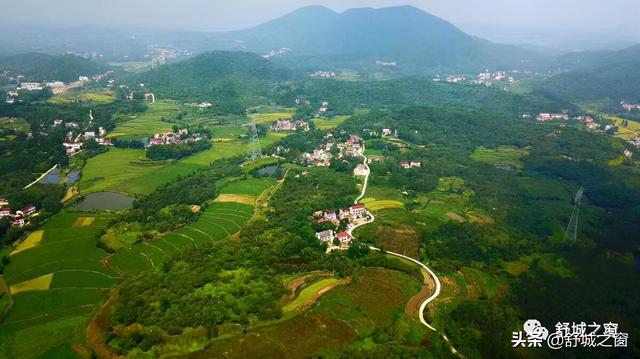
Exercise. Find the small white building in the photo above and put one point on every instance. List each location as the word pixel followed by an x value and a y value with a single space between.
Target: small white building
pixel 30 86
pixel 325 236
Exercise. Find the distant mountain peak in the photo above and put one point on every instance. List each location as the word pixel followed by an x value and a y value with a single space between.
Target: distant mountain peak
pixel 314 9
pixel 405 34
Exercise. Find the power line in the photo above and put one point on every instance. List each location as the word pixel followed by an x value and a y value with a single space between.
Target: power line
pixel 571 234
pixel 255 150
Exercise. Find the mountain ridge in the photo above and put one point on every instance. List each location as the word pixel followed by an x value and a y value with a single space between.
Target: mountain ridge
pixel 404 34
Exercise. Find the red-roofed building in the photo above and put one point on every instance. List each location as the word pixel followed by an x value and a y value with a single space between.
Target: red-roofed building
pixel 357 211
pixel 344 238
pixel 5 212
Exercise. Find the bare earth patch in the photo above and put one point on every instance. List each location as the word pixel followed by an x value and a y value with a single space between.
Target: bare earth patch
pixel 413 305
pixel 456 217
pixel 402 240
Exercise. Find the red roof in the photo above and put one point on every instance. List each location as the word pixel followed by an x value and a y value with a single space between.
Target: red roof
pixel 343 235
pixel 5 209
pixel 358 206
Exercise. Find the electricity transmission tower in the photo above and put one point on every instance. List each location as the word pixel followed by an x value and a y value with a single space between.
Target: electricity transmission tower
pixel 255 151
pixel 571 234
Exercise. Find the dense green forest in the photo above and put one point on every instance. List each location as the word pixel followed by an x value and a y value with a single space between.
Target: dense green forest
pixel 41 67
pixel 229 80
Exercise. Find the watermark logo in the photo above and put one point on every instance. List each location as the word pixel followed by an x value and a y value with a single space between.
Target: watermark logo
pixel 569 335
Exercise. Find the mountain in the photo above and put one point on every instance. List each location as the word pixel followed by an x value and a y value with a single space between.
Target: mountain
pixel 219 77
pixel 405 35
pixel 42 67
pixel 613 75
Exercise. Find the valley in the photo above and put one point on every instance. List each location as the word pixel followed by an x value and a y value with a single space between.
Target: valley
pixel 316 187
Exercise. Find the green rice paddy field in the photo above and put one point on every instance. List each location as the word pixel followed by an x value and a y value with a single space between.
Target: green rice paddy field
pixel 47 318
pixel 129 171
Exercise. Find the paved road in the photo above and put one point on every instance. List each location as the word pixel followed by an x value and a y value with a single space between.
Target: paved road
pixel 435 294
pixel 438 288
pixel 41 177
pixel 366 178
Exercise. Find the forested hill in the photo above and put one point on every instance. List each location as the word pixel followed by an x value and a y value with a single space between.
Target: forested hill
pixel 214 77
pixel 42 67
pixel 345 96
pixel 233 81
pixel 601 75
pixel 406 35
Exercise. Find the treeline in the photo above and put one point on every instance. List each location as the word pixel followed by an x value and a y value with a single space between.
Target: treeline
pixel 166 152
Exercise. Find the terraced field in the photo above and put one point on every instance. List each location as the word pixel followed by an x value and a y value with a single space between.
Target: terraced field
pixel 376 205
pixel 60 275
pixel 80 95
pixel 267 118
pixel 331 123
pixel 219 221
pixel 55 282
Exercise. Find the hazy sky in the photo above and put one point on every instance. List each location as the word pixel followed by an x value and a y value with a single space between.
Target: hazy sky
pixel 501 20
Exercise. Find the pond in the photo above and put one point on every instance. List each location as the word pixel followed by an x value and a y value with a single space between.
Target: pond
pixel 273 171
pixel 72 177
pixel 104 201
pixel 52 178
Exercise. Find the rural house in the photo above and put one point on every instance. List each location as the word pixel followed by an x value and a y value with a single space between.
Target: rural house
pixel 357 211
pixel 325 236
pixel 361 170
pixel 344 238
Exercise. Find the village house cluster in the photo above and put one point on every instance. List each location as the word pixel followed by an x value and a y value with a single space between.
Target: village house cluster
pixel 57 87
pixel 20 217
pixel 546 116
pixel 589 122
pixel 274 53
pixel 322 156
pixel 408 164
pixel 630 106
pixel 73 146
pixel 486 78
pixel 285 124
pixel 353 215
pixel 173 138
pixel 323 74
